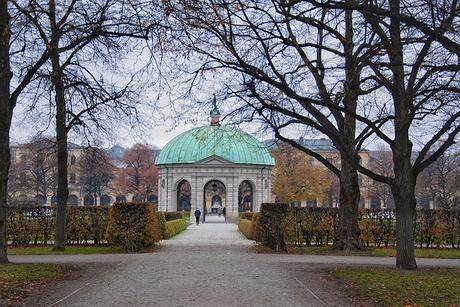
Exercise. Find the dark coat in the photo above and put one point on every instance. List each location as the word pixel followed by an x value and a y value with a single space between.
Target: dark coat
pixel 197 213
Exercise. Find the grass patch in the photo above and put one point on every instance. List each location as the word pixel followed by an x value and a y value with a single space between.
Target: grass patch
pixel 392 287
pixel 69 250
pixel 448 253
pixel 18 280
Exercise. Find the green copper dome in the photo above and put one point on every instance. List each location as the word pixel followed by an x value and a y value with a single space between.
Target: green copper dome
pixel 228 143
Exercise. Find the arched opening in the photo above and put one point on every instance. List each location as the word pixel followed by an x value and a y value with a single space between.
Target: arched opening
pixel 120 198
pixel 215 196
pixel 312 203
pixel 88 200
pixel 137 198
pixel 424 202
pixel 375 202
pixel 106 200
pixel 72 200
pixel 245 197
pixel 184 195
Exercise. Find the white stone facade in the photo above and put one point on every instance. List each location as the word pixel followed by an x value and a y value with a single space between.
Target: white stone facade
pixel 213 168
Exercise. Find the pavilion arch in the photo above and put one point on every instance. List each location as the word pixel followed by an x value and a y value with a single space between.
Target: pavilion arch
pixel 88 200
pixel 105 200
pixel 120 198
pixel 183 195
pixel 246 196
pixel 72 200
pixel 214 196
pixel 375 202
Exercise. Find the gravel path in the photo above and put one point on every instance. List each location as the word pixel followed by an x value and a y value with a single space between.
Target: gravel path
pixel 208 265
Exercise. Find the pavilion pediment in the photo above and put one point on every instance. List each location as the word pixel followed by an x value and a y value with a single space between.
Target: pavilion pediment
pixel 214 160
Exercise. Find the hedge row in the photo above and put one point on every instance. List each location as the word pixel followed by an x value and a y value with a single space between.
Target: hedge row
pixel 171 216
pixel 280 225
pixel 133 226
pixel 174 227
pixel 85 225
pixel 248 223
pixel 246 215
pixel 35 226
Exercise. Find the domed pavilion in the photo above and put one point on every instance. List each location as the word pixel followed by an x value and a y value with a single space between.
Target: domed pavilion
pixel 212 168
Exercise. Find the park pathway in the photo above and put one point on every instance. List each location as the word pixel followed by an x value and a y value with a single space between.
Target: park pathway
pixel 207 265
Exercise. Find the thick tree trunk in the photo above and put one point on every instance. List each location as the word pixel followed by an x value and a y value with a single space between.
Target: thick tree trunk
pixel 61 133
pixel 403 191
pixel 6 112
pixel 347 233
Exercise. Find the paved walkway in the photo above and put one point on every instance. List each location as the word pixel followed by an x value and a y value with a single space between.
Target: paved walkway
pixel 208 265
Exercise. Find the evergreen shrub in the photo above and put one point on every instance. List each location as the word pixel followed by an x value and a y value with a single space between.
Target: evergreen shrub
pixel 270 230
pixel 174 227
pixel 246 215
pixel 133 226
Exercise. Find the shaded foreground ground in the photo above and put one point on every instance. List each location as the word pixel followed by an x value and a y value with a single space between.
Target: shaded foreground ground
pixel 391 287
pixel 20 279
pixel 208 265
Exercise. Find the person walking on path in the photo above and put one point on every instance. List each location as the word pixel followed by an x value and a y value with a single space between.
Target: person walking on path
pixel 197 216
pixel 219 211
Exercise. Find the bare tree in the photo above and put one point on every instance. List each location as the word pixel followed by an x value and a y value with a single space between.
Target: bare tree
pixel 399 83
pixel 96 172
pixel 381 162
pixel 298 69
pixel 75 33
pixel 441 181
pixel 6 113
pixel 27 61
pixel 37 164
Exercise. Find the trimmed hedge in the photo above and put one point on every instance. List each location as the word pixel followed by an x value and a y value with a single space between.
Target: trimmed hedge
pixel 162 220
pixel 36 225
pixel 248 226
pixel 271 228
pixel 133 226
pixel 246 215
pixel 174 227
pixel 171 216
pixel 87 224
pixel 244 226
pixel 280 225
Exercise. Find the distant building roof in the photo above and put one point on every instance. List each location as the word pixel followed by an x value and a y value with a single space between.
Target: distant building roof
pixel 319 145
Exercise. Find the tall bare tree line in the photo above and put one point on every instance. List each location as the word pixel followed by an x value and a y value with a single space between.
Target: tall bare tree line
pixel 352 70
pixel 61 39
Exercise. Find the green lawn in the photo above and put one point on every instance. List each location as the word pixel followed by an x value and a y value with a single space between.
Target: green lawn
pixel 392 287
pixel 377 252
pixel 71 249
pixel 16 280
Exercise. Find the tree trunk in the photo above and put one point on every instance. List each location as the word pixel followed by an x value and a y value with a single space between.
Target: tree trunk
pixel 403 191
pixel 347 233
pixel 6 112
pixel 61 134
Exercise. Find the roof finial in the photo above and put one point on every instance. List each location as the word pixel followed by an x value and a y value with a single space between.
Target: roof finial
pixel 215 113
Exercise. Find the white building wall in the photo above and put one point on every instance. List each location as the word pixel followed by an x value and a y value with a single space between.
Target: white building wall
pixel 214 168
